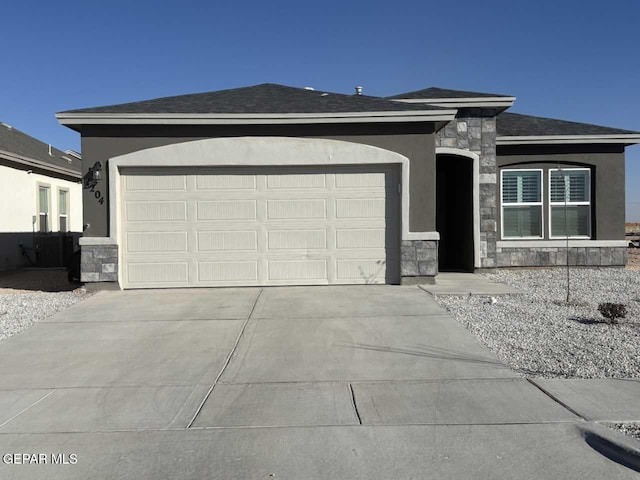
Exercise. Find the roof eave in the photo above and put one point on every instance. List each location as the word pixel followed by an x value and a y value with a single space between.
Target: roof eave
pixel 70 119
pixel 12 157
pixel 620 139
pixel 472 102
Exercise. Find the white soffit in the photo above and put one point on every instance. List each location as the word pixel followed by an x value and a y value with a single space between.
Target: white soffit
pixel 252 118
pixel 476 102
pixel 623 138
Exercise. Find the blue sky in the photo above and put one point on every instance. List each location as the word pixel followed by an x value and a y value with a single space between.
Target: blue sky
pixel 575 60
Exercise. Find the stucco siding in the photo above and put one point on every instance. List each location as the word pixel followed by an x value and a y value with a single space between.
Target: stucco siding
pixel 18 200
pixel 414 141
pixel 607 164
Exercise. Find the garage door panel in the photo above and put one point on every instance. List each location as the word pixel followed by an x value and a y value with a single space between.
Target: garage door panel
pixel 154 211
pixel 360 208
pixel 296 239
pixel 144 183
pixel 362 180
pixel 226 240
pixel 227 210
pixel 150 273
pixel 293 181
pixel 156 242
pixel 228 271
pixel 297 269
pixel 363 270
pixel 360 238
pixel 296 208
pixel 273 226
pixel 225 182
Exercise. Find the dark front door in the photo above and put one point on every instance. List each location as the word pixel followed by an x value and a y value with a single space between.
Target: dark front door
pixel 454 213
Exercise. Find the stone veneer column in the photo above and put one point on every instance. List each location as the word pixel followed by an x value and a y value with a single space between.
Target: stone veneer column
pixel 478 135
pixel 99 263
pixel 419 261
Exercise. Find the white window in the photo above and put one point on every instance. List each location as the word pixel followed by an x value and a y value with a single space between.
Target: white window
pixel 63 210
pixel 570 203
pixel 43 208
pixel 521 203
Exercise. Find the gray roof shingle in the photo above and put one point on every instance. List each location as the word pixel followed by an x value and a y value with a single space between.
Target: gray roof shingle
pixel 265 98
pixel 438 93
pixel 15 142
pixel 517 124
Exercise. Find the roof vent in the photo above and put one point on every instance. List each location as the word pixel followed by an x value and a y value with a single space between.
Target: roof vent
pixel 309 88
pixel 50 150
pixel 6 125
pixel 358 90
pixel 73 153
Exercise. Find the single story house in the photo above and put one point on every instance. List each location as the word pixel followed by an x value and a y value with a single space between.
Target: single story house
pixel 40 195
pixel 274 185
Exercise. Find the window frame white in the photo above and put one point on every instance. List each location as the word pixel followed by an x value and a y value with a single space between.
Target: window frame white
pixel 571 204
pixel 48 229
pixel 67 204
pixel 522 204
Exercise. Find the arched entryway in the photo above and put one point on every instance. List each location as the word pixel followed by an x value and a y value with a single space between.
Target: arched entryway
pixel 456 217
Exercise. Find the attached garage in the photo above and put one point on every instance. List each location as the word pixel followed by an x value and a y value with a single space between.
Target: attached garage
pixel 276 225
pixel 262 185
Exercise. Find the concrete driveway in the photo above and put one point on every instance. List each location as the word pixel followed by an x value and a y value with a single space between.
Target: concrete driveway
pixel 303 382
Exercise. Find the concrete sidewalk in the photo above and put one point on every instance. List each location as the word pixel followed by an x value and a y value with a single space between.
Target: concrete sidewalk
pixel 305 382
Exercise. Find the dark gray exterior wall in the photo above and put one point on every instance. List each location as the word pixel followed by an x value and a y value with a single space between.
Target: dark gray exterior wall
pixel 608 180
pixel 415 141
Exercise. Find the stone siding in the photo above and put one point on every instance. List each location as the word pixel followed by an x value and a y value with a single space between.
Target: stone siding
pixel 99 263
pixel 478 135
pixel 419 258
pixel 557 256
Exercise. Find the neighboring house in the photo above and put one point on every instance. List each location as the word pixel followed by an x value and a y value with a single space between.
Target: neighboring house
pixel 40 193
pixel 274 185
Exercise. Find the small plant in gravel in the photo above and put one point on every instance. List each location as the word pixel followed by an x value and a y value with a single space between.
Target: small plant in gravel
pixel 612 311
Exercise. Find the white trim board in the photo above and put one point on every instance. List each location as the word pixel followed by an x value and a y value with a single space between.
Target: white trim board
pixel 252 118
pixel 628 138
pixel 560 243
pixel 471 102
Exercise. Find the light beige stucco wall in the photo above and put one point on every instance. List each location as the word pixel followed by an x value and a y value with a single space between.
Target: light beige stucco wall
pixel 18 200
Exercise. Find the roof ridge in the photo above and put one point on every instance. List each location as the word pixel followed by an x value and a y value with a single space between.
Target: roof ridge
pixel 264 98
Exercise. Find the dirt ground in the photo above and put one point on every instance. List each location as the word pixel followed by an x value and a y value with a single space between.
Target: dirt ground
pixel 634 259
pixel 35 280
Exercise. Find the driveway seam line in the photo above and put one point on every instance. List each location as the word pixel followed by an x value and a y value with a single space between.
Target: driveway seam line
pixel 298 426
pixel 556 399
pixel 226 362
pixel 27 408
pixel 355 405
pixel 359 317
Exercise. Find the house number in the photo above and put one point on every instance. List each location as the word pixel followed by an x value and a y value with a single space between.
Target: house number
pixel 98 195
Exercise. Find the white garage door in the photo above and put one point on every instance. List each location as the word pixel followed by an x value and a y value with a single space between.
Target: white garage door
pixel 259 226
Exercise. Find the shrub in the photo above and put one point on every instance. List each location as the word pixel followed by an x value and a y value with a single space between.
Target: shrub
pixel 612 311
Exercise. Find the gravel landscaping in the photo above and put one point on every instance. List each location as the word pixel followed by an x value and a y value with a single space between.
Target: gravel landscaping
pixel 29 296
pixel 631 429
pixel 538 334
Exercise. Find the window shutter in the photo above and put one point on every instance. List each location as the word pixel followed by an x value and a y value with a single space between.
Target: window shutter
pixel 578 186
pixel 521 187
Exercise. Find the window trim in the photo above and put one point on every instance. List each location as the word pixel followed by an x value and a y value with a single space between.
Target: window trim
pixel 524 204
pixel 66 215
pixel 47 186
pixel 561 204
